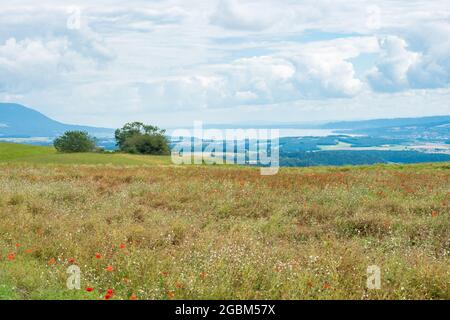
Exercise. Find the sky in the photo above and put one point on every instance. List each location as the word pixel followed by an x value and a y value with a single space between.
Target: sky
pixel 172 62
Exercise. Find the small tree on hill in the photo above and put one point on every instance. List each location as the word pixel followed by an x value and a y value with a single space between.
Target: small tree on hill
pixel 137 137
pixel 75 141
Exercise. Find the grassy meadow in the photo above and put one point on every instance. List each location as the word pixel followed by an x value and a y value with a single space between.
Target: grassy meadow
pixel 28 154
pixel 145 229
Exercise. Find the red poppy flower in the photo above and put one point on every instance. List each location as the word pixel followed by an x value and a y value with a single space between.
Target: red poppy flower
pixel 109 268
pixel 164 273
pixel 52 261
pixel 109 294
pixel 18 245
pixel 89 289
pixel 326 285
pixel 71 260
pixel 29 251
pixel 11 256
pixel 434 214
pixel 170 294
pixel 133 297
pixel 98 255
pixel 122 246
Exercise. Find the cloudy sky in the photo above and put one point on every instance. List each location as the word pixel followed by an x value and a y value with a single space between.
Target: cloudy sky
pixel 171 62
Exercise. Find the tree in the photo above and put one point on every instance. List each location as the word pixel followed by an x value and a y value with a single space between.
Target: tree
pixel 137 137
pixel 75 141
pixel 146 144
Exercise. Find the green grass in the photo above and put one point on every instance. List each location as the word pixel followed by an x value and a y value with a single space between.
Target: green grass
pixel 219 232
pixel 26 154
pixel 14 151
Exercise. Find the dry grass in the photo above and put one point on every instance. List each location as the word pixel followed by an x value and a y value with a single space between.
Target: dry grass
pixel 228 233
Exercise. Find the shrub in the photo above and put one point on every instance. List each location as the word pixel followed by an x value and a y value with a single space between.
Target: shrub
pixel 75 141
pixel 139 138
pixel 146 144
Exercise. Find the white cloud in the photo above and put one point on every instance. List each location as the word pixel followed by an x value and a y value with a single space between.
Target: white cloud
pixel 259 80
pixel 245 15
pixel 391 71
pixel 47 23
pixel 399 68
pixel 33 64
pixel 338 16
pixel 147 57
pixel 432 70
pixel 326 76
pixel 268 79
pixel 139 19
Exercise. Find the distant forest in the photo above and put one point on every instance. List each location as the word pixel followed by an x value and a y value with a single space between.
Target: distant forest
pixel 344 157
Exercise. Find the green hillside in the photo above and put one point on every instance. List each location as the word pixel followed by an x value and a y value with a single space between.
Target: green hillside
pixel 13 151
pixel 21 153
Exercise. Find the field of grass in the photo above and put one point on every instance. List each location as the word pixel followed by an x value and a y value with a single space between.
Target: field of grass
pixel 27 154
pixel 146 229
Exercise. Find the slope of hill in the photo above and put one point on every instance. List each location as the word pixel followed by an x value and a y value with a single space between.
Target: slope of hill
pixel 220 232
pixel 27 154
pixel 12 151
pixel 19 121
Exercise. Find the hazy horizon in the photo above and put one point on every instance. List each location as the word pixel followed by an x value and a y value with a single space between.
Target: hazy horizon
pixel 285 125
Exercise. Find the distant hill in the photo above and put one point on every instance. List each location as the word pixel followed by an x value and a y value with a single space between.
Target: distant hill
pixel 387 123
pixel 425 128
pixel 431 121
pixel 19 121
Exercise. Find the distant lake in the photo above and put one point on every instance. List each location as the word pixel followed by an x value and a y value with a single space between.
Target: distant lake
pixel 284 133
pixel 306 132
pixel 30 140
